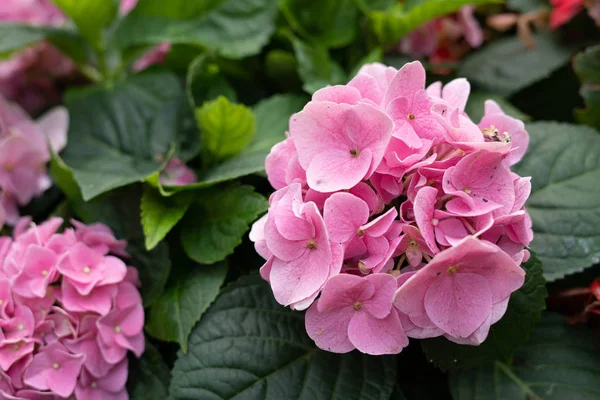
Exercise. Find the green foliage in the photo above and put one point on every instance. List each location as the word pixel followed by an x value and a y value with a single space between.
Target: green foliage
pixel 149 376
pixel 263 352
pixel 226 128
pixel 506 65
pixel 564 161
pixel 185 299
pixel 160 214
pixel 523 312
pixel 558 362
pixel 14 37
pixel 587 67
pixel 233 28
pixel 205 83
pixel 315 67
pixel 122 134
pixel 91 17
pixel 217 220
pixel 396 22
pixel 330 23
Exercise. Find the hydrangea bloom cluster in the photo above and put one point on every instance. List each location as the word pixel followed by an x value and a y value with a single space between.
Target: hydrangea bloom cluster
pixel 177 173
pixel 24 154
pixel 394 214
pixel 69 313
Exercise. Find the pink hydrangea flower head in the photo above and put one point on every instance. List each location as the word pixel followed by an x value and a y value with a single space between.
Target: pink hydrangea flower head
pixel 383 185
pixel 59 292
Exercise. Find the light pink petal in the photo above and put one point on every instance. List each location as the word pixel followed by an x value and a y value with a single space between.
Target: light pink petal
pixel 380 225
pixel 407 81
pixel 456 93
pixel 435 89
pixel 344 213
pixel 55 124
pixel 329 328
pixel 338 94
pixel 337 170
pixel 377 336
pixel 459 303
pixel 344 290
pixel 424 207
pixel 380 304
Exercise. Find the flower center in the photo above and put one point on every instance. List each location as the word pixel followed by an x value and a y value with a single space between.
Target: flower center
pixel 410 116
pixel 94 385
pixel 354 152
pixel 357 306
pixel 360 233
pixel 117 329
pixel 435 222
pixel 452 269
pixel 44 273
pixel 363 267
pixel 56 365
pixel 86 270
pixel 8 167
pixel 311 244
pixel 21 327
pixel 467 190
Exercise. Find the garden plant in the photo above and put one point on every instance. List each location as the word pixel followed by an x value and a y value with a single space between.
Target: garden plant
pixel 299 199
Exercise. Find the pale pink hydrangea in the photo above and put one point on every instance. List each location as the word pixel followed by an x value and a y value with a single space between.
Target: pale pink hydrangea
pixel 388 193
pixel 24 154
pixel 70 311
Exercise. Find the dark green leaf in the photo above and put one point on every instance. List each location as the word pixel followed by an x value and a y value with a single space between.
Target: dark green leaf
pixel 217 220
pixel 226 128
pixel 315 67
pixel 160 214
pixel 122 134
pixel 374 5
pixel 374 56
pixel 475 106
pixel 523 312
pixel 205 83
pixel 233 28
pixel 14 37
pixel 91 17
pixel 272 117
pixel 184 301
pixel 587 67
pixel 558 362
pixel 524 6
pixel 564 161
pixel 506 65
pixel 331 23
pixel 398 21
pixel 249 347
pixel 149 376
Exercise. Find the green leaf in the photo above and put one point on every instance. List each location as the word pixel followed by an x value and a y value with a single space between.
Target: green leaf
pixel 233 28
pixel 184 301
pixel 475 106
pixel 524 311
pixel 564 161
pixel 396 22
pixel 331 23
pixel 249 347
pixel 315 67
pixel 160 214
pixel 226 128
pixel 558 362
pixel 205 83
pixel 149 376
pixel 524 6
pixel 374 56
pixel 14 37
pixel 272 117
pixel 217 220
pixel 587 67
pixel 121 134
pixel 91 17
pixel 374 5
pixel 505 66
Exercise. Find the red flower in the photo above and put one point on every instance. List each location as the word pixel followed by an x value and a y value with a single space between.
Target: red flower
pixel 563 11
